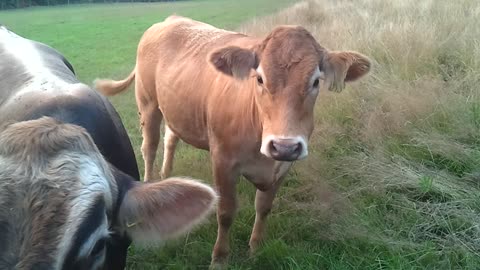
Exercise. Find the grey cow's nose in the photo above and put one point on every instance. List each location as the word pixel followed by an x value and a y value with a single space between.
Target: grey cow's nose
pixel 285 149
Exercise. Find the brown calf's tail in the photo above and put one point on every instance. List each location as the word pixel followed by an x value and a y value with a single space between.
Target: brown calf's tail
pixel 111 87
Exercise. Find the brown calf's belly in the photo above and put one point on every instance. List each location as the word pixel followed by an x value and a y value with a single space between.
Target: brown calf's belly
pixel 190 134
pixel 184 122
pixel 200 144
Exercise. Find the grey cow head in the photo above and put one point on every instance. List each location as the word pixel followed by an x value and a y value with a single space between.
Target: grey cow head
pixel 60 203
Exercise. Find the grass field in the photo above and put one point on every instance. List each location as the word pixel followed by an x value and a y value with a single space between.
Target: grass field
pixel 393 178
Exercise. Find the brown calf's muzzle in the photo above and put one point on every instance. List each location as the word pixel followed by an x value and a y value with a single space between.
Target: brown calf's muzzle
pixel 285 149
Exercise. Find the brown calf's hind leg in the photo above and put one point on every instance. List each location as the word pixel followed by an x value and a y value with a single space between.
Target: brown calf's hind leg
pixel 170 143
pixel 150 120
pixel 263 205
pixel 225 181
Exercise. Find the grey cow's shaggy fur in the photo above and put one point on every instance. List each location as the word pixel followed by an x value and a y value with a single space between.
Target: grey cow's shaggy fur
pixel 39 165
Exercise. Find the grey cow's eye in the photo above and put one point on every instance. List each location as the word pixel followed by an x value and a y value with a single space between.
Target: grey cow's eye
pixel 99 247
pixel 316 83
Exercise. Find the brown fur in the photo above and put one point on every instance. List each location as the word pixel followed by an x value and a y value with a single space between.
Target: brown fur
pixel 185 73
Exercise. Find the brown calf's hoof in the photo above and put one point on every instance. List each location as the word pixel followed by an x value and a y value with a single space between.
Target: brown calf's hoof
pixel 220 257
pixel 254 244
pixel 252 251
pixel 218 265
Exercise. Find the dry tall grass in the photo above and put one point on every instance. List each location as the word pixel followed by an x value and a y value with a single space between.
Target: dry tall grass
pixel 399 150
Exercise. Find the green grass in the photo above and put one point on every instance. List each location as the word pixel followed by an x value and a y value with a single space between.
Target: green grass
pixel 393 176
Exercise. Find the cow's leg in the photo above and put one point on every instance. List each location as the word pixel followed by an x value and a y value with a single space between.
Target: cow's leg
pixel 225 182
pixel 263 205
pixel 170 143
pixel 150 121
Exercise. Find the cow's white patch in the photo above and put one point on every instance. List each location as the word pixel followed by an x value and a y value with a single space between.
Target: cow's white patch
pixel 93 179
pixel 260 70
pixel 299 139
pixel 92 182
pixel 27 54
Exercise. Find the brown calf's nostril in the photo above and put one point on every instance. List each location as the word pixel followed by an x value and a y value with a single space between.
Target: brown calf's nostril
pixel 286 150
pixel 272 146
pixel 296 147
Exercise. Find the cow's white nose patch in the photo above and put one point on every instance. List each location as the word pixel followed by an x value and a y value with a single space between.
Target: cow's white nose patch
pixel 266 141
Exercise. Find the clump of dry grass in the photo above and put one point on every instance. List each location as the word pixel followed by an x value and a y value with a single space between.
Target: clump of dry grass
pixel 402 146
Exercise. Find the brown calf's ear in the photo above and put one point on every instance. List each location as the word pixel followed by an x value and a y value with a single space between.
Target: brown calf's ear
pixel 234 61
pixel 341 67
pixel 153 212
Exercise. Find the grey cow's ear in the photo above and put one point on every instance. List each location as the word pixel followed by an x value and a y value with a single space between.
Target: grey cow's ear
pixel 234 61
pixel 153 212
pixel 341 67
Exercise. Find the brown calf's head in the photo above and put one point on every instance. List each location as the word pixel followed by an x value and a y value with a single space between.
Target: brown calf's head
pixel 287 68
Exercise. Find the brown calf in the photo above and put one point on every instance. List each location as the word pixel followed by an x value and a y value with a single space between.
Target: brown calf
pixel 249 101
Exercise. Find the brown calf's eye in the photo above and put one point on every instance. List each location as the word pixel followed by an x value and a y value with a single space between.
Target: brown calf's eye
pixel 316 83
pixel 259 80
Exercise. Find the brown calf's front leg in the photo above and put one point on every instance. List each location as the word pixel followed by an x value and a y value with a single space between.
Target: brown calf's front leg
pixel 263 205
pixel 150 119
pixel 170 143
pixel 225 182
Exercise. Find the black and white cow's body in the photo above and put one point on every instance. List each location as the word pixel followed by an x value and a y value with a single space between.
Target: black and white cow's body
pixel 37 82
pixel 44 84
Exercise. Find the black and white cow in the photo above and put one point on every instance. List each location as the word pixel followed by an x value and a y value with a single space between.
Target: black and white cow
pixel 69 195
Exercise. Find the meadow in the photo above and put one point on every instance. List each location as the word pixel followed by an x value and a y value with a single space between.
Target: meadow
pixel 393 176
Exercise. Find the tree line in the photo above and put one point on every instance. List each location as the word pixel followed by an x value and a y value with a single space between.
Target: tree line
pixel 12 4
